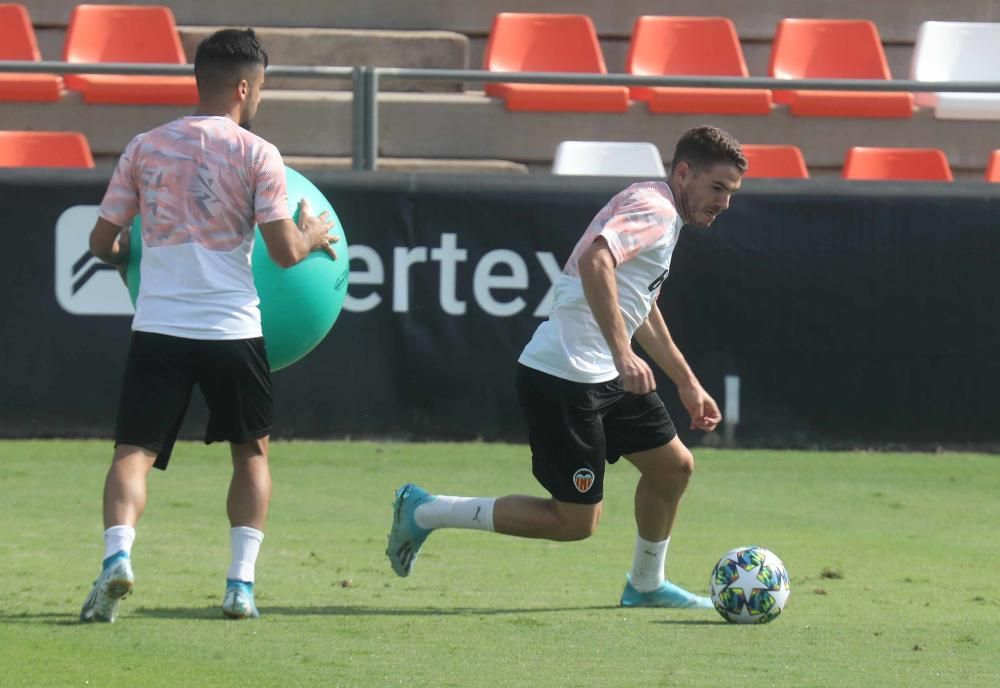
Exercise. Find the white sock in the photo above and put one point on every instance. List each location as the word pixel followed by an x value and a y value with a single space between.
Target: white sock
pixel 456 512
pixel 118 538
pixel 647 564
pixel 245 542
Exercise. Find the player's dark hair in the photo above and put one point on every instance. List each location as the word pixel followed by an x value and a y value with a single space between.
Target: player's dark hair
pixel 223 59
pixel 705 146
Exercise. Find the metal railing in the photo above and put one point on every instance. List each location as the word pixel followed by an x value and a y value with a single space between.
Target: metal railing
pixel 365 86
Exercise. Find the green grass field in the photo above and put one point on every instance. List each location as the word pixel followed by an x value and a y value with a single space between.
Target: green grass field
pixel 893 559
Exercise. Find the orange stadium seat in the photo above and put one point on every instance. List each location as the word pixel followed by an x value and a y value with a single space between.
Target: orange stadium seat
pixel 44 149
pixel 834 49
pixel 775 161
pixel 17 42
pixel 127 33
pixel 925 164
pixel 993 168
pixel 677 46
pixel 549 43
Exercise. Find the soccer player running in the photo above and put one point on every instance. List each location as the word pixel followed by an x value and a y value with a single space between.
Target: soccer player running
pixel 589 398
pixel 199 184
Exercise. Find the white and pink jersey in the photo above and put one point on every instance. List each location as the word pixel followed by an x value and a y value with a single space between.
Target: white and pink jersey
pixel 641 226
pixel 200 184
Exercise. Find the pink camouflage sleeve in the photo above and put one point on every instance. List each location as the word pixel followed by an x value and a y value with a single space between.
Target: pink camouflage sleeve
pixel 121 200
pixel 270 189
pixel 639 220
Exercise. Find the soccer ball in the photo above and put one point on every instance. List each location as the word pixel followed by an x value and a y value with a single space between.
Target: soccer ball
pixel 749 585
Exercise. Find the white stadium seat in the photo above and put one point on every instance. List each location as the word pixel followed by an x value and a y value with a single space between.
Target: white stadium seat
pixel 609 158
pixel 958 51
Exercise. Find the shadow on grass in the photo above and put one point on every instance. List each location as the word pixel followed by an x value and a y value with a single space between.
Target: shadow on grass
pixel 210 613
pixel 48 618
pixel 691 622
pixel 213 614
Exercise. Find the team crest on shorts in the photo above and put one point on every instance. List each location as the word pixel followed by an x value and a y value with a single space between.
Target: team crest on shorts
pixel 583 479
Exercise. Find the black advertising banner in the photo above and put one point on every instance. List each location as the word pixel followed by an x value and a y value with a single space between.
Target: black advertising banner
pixel 847 314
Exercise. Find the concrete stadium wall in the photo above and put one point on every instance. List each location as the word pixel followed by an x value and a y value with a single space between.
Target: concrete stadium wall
pixel 434 124
pixel 472 126
pixel 897 21
pixel 480 126
pixel 755 22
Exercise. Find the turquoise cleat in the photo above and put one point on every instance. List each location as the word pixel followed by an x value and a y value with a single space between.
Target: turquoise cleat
pixel 667 596
pixel 238 602
pixel 114 583
pixel 406 537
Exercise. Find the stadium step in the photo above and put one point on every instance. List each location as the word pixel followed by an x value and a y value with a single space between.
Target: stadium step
pixel 411 165
pixel 349 47
pixel 473 126
pixel 897 21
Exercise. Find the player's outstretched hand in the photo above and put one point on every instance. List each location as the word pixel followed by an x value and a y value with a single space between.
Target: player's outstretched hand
pixel 705 414
pixel 317 228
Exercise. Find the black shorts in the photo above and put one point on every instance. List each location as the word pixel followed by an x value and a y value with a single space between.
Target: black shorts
pixel 161 372
pixel 574 428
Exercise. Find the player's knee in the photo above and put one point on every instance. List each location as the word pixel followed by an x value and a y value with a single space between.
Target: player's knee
pixel 132 460
pixel 580 524
pixel 579 531
pixel 253 449
pixel 685 463
pixel 674 473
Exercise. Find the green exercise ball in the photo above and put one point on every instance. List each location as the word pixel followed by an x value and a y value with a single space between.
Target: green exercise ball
pixel 298 305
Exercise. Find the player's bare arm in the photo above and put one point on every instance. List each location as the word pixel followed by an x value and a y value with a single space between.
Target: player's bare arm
pixel 597 272
pixel 108 242
pixel 288 242
pixel 654 337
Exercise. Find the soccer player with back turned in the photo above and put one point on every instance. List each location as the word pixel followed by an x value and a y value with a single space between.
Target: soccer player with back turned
pixel 589 398
pixel 199 184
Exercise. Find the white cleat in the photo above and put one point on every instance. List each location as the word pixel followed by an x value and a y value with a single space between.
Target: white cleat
pixel 114 583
